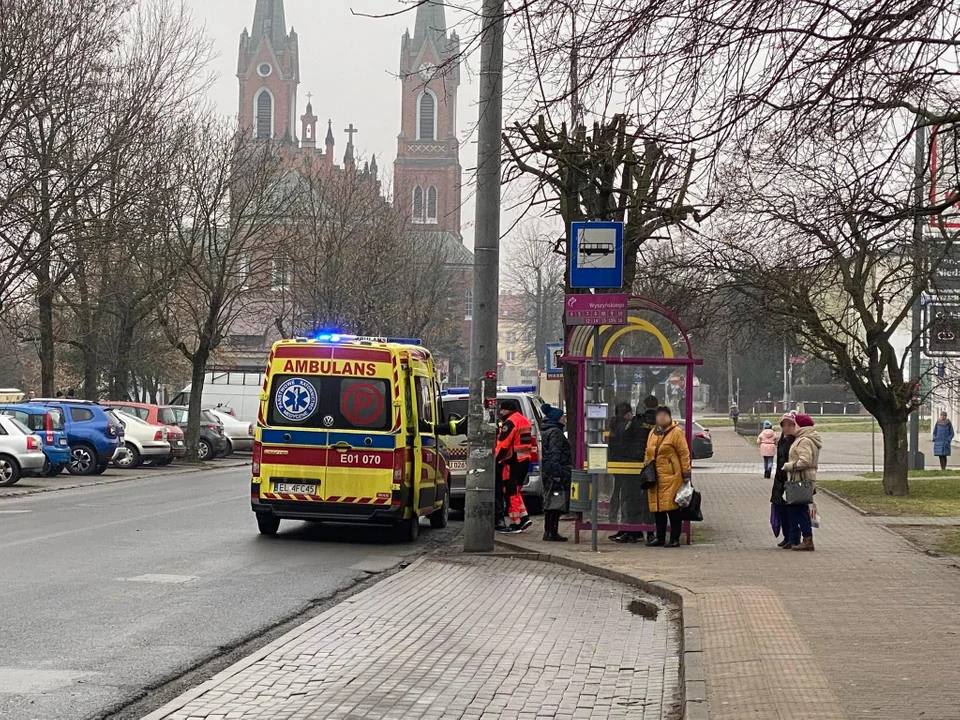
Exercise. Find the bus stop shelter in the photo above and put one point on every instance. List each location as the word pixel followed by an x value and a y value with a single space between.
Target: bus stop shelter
pixel 650 354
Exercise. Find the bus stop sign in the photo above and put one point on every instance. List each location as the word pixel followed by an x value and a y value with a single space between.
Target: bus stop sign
pixel 596 255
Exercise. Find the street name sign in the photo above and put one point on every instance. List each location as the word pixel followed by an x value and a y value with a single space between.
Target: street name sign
pixel 604 309
pixel 596 255
pixel 943 334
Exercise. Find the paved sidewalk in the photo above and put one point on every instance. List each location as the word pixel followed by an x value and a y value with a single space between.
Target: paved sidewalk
pixel 477 638
pixel 865 627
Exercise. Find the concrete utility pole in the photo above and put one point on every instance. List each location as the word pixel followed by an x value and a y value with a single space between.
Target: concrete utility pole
pixel 481 463
pixel 915 459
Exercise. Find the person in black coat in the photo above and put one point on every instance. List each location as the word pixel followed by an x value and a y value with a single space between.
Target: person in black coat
pixel 636 510
pixel 556 470
pixel 780 506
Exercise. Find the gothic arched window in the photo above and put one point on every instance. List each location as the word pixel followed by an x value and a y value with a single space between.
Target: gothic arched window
pixel 432 205
pixel 264 106
pixel 427 116
pixel 418 206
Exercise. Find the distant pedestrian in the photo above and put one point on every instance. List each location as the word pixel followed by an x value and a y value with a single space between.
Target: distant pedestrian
pixel 943 439
pixel 59 394
pixel 556 470
pixel 802 465
pixel 667 447
pixel 735 416
pixel 620 448
pixel 71 394
pixel 788 429
pixel 767 441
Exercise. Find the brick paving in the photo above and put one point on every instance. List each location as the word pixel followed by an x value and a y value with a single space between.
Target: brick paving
pixel 865 627
pixel 476 638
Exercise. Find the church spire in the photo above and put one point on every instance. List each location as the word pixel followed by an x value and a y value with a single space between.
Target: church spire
pixel 431 24
pixel 269 21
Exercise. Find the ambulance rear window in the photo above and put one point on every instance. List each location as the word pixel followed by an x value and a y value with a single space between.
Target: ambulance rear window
pixel 329 403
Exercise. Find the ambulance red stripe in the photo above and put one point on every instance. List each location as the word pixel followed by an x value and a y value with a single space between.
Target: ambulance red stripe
pixel 285 455
pixel 345 353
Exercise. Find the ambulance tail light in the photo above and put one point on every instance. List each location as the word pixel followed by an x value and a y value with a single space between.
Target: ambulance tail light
pixel 399 458
pixel 257 456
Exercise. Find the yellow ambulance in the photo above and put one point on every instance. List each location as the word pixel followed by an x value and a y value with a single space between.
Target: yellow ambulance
pixel 350 431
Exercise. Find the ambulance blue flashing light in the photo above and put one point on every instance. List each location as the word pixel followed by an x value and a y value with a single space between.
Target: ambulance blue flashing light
pixel 457 391
pixel 336 338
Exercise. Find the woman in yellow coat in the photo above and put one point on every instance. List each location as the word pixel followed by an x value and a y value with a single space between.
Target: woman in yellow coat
pixel 668 445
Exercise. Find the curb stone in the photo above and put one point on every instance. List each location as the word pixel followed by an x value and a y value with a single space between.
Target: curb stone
pixel 16 495
pixel 694 681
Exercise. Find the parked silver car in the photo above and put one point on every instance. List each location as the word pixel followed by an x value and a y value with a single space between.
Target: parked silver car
pixel 20 451
pixel 239 434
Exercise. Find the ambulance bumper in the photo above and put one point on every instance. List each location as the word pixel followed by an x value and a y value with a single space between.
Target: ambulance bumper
pixel 329 512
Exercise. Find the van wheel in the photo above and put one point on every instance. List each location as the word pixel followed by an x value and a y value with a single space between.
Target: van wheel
pixel 439 519
pixel 409 530
pixel 267 524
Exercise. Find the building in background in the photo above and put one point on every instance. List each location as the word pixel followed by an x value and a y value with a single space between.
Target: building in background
pixel 518 363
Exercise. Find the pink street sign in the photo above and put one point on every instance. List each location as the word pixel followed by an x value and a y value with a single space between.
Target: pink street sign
pixel 609 309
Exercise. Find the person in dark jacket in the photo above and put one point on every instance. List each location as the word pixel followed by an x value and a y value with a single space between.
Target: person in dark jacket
pixel 636 507
pixel 556 469
pixel 621 447
pixel 780 507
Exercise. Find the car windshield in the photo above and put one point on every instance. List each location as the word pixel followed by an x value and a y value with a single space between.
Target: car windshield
pixel 166 416
pixel 456 406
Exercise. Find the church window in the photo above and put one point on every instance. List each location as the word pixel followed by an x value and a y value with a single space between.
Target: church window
pixel 265 69
pixel 469 305
pixel 432 205
pixel 264 115
pixel 418 206
pixel 427 116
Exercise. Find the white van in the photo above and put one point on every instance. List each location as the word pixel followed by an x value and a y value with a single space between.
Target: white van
pixel 235 392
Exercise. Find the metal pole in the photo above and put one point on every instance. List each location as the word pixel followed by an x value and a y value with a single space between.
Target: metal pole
pixel 873 443
pixel 596 396
pixel 481 472
pixel 914 462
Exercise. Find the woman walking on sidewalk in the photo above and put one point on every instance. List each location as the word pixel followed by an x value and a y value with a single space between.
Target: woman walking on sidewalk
pixel 787 430
pixel 802 465
pixel 943 439
pixel 667 447
pixel 767 441
pixel 556 469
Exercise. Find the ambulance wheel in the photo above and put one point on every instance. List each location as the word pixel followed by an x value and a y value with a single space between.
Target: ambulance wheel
pixel 267 524
pixel 440 518
pixel 409 530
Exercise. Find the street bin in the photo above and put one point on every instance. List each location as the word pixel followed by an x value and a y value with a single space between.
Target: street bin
pixel 580 493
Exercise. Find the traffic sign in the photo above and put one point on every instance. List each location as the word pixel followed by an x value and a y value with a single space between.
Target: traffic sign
pixel 943 335
pixel 596 255
pixel 607 309
pixel 554 367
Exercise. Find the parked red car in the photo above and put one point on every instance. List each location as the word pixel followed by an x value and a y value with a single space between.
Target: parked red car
pixel 157 415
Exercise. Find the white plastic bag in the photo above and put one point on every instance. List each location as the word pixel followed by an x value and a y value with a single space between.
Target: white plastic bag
pixel 814 515
pixel 684 495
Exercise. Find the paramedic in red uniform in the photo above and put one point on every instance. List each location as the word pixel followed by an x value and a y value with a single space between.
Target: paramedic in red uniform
pixel 514 450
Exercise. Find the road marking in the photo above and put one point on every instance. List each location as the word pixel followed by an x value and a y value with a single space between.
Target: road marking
pixel 14 512
pixel 23 681
pixel 163 579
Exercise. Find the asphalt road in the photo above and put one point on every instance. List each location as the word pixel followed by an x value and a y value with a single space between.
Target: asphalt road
pixel 109 589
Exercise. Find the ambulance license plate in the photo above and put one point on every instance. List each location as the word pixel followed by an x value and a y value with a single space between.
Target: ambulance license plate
pixel 458 464
pixel 295 488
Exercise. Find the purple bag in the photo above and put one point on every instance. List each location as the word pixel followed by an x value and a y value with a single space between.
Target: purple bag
pixel 774 520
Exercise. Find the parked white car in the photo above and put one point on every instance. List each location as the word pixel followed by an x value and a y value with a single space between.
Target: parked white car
pixel 20 451
pixel 239 434
pixel 141 441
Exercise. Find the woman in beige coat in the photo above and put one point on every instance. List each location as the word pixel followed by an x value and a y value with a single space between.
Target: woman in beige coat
pixel 803 462
pixel 668 445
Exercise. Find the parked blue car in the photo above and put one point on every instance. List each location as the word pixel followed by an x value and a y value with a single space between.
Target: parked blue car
pixel 92 435
pixel 47 424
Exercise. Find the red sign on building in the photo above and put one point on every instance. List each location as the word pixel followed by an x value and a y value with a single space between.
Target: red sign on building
pixel 609 309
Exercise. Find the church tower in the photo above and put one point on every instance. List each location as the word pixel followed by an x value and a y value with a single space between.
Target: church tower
pixel 269 73
pixel 427 172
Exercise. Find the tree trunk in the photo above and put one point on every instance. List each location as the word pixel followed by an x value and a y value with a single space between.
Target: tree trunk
pixel 121 374
pixel 47 354
pixel 196 405
pixel 895 458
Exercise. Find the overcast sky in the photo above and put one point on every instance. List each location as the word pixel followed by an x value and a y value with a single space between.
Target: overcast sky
pixel 350 64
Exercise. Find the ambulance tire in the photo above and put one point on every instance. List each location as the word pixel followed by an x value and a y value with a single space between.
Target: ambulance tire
pixel 408 530
pixel 267 524
pixel 440 518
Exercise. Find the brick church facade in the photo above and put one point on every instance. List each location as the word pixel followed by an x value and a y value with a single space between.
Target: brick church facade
pixel 427 171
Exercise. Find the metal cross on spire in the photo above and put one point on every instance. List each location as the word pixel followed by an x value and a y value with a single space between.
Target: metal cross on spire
pixel 351 131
